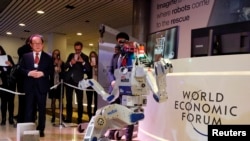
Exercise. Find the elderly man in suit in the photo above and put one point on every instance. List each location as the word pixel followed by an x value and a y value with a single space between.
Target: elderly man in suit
pixel 37 68
pixel 76 66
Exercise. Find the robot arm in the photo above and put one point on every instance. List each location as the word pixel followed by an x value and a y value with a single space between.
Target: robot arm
pixel 157 79
pixel 83 84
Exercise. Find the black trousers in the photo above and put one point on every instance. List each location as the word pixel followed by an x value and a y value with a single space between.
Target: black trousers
pixel 69 99
pixel 36 100
pixel 7 100
pixel 7 103
pixel 21 102
pixel 129 133
pixel 90 95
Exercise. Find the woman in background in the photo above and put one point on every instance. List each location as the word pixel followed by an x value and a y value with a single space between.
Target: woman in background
pixel 55 94
pixel 93 59
pixel 7 99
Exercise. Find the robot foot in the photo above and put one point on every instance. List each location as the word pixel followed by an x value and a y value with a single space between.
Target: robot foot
pixel 116 134
pixel 136 117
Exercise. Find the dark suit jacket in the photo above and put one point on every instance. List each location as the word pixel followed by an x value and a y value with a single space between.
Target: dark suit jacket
pixel 45 65
pixel 76 71
pixel 22 50
pixel 113 66
pixel 5 74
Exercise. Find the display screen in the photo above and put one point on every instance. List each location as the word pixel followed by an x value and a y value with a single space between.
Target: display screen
pixel 221 40
pixel 163 44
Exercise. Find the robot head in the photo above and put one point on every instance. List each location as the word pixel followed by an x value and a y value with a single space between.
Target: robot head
pixel 127 47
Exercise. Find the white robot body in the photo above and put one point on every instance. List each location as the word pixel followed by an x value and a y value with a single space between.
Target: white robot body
pixel 133 101
pixel 132 87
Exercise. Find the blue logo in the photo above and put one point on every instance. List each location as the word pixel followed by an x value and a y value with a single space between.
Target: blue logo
pixel 112 112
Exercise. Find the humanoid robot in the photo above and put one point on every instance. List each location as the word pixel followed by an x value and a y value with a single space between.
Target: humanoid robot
pixel 133 82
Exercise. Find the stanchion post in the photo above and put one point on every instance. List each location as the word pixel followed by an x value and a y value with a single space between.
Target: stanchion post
pixel 61 105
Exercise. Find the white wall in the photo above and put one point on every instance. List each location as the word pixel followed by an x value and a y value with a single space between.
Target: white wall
pixel 11 45
pixel 195 17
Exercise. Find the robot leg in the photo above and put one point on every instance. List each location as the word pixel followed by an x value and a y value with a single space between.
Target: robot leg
pixel 123 117
pixel 96 129
pixel 113 116
pixel 116 134
pixel 83 126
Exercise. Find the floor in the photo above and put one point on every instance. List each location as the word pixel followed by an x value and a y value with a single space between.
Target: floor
pixel 57 132
pixel 53 132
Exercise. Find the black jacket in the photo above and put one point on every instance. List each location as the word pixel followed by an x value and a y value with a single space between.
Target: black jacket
pixel 77 71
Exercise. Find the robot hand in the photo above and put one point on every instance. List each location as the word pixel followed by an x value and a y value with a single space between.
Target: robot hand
pixel 162 67
pixel 83 84
pixel 158 83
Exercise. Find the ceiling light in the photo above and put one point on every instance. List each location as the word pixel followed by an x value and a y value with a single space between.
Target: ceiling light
pixel 8 33
pixel 40 12
pixel 21 24
pixel 79 34
pixel 91 44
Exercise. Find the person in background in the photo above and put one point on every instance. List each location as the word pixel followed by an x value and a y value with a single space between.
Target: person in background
pixel 93 59
pixel 7 98
pixel 26 48
pixel 76 66
pixel 115 63
pixel 37 68
pixel 113 66
pixel 55 94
